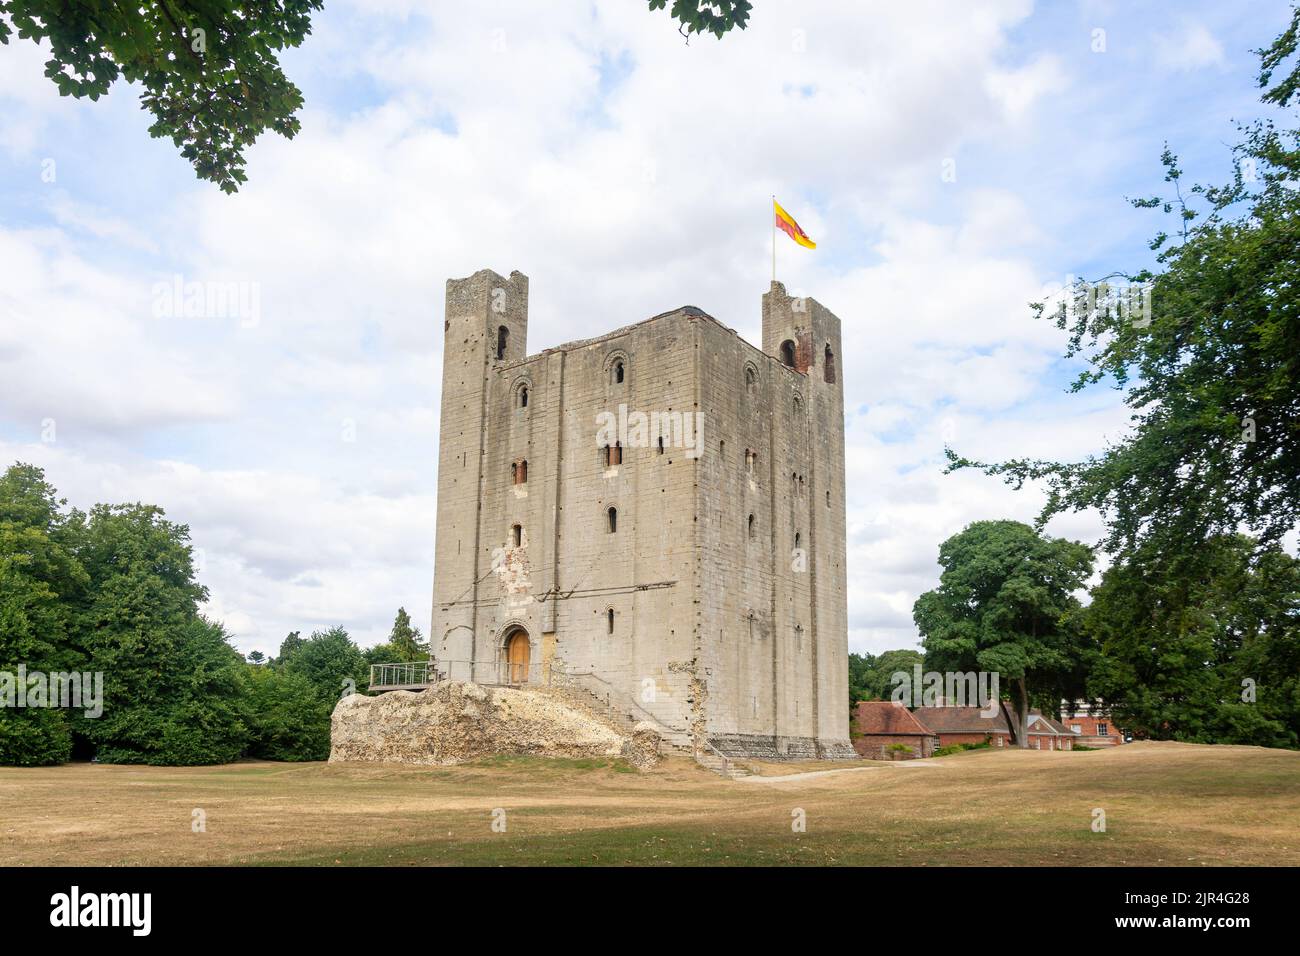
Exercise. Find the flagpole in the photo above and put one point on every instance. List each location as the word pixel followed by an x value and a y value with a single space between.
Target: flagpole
pixel 773 214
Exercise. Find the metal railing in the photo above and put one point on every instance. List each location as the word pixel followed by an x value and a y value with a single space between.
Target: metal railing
pixel 702 746
pixel 614 700
pixel 428 673
pixel 413 674
pixel 503 673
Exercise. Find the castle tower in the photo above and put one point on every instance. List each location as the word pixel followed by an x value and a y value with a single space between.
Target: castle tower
pixel 801 333
pixel 486 327
pixel 690 573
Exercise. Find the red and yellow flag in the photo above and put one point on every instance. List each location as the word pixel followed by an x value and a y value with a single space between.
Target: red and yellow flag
pixel 785 222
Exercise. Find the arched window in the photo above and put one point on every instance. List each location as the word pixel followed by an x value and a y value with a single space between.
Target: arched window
pixel 787 353
pixel 523 397
pixel 618 371
pixel 828 499
pixel 751 526
pixel 612 514
pixel 661 444
pixel 750 378
pixel 517 534
pixel 828 367
pixel 797 538
pixel 514 473
pixel 798 407
pixel 609 619
pixel 502 335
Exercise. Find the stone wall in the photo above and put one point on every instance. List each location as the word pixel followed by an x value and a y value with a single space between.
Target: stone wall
pixel 455 721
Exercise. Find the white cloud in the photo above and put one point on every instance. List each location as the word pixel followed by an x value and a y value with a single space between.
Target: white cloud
pixel 625 172
pixel 1193 47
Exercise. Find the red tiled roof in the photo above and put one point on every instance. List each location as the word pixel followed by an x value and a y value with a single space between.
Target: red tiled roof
pixel 886 717
pixel 961 720
pixel 1060 728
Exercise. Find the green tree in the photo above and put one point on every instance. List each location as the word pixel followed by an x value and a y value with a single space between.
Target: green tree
pixel 209 70
pixel 256 657
pixel 860 666
pixel 288 719
pixel 881 684
pixel 707 16
pixel 1201 646
pixel 172 682
pixel 1005 604
pixel 42 587
pixel 1274 56
pixel 1212 375
pixel 405 639
pixel 382 654
pixel 331 663
pixel 288 647
pixel 871 677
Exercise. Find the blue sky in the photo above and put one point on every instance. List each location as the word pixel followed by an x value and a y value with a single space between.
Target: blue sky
pixel 626 173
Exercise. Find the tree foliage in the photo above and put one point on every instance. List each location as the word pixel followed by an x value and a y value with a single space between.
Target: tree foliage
pixel 288 717
pixel 208 69
pixel 331 663
pixel 1273 57
pixel 870 676
pixel 707 16
pixel 404 641
pixel 1213 381
pixel 1201 646
pixel 1005 604
pixel 172 681
pixel 41 586
pixel 114 591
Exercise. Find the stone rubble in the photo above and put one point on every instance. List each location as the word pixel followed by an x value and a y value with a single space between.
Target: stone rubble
pixel 454 721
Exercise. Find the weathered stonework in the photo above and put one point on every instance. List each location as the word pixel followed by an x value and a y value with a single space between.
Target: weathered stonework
pixel 713 602
pixel 454 721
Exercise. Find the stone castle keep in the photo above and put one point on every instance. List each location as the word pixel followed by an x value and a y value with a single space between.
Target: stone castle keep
pixel 655 514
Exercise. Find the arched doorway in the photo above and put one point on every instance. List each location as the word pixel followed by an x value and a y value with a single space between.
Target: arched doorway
pixel 518 652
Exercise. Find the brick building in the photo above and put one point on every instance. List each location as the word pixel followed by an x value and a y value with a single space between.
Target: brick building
pixel 970 725
pixel 879 725
pixel 1093 729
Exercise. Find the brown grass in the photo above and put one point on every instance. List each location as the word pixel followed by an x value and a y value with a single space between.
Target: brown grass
pixel 1165 804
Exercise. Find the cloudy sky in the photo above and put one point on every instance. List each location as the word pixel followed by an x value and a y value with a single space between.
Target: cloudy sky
pixel 626 173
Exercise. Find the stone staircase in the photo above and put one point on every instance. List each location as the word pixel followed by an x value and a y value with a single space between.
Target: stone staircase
pixel 710 759
pixel 625 716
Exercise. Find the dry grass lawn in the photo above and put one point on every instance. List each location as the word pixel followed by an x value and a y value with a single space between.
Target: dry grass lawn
pixel 1165 804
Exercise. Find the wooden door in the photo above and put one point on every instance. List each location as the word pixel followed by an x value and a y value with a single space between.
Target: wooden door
pixel 517 653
